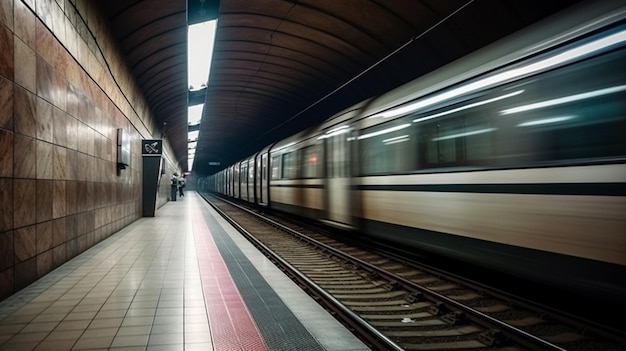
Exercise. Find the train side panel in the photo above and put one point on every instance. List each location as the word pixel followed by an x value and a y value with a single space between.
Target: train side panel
pixel 520 169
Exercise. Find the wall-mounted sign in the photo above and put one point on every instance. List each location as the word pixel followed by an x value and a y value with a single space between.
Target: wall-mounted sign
pixel 152 147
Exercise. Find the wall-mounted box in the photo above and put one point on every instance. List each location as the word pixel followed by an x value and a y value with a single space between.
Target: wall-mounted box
pixel 123 149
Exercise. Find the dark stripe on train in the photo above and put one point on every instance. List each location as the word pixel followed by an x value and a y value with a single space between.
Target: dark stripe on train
pixel 604 189
pixel 304 186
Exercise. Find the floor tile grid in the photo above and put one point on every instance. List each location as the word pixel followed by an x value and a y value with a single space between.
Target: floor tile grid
pixel 106 293
pixel 24 307
pixel 71 306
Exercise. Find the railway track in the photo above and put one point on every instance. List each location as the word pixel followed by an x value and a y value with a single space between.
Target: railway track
pixel 394 305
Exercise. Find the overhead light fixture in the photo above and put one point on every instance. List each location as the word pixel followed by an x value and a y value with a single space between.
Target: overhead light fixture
pixel 200 40
pixel 194 115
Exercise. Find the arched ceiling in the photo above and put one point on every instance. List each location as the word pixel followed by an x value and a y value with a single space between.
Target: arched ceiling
pixel 283 65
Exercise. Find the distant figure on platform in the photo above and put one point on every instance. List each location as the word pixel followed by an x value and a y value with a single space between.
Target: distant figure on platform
pixel 173 186
pixel 181 185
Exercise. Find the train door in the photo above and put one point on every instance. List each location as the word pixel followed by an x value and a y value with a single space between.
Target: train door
pixel 338 179
pixel 262 178
pixel 236 181
pixel 250 176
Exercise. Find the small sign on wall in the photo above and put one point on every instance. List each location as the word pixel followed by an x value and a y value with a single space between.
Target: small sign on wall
pixel 151 147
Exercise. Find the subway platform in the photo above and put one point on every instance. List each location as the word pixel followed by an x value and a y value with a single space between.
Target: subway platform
pixel 183 280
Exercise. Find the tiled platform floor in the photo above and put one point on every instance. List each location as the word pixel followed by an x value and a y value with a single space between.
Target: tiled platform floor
pixel 141 289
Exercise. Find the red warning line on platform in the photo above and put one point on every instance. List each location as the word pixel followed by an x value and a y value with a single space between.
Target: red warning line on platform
pixel 232 327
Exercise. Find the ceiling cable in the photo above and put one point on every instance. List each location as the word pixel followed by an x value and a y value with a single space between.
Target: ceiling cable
pixel 367 70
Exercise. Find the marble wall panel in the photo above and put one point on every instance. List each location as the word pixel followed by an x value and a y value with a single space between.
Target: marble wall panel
pixel 59 162
pixel 73 100
pixel 44 263
pixel 31 4
pixel 43 119
pixel 26 70
pixel 24 106
pixel 59 127
pixel 6 283
pixel 6 250
pixel 45 80
pixel 59 234
pixel 44 200
pixel 44 236
pixel 6 204
pixel 25 157
pixel 25 273
pixel 43 9
pixel 6 53
pixel 6 103
pixel 6 13
pixel 90 196
pixel 71 230
pixel 90 141
pixel 58 22
pixel 25 23
pixel 71 248
pixel 82 137
pixel 59 255
pixel 6 155
pixel 59 207
pixel 82 243
pixel 71 38
pixel 80 197
pixel 71 197
pixel 83 167
pixel 72 133
pixel 25 243
pixel 24 202
pixel 72 164
pixel 44 160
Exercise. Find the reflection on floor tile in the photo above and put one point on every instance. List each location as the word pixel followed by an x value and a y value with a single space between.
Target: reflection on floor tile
pixel 139 289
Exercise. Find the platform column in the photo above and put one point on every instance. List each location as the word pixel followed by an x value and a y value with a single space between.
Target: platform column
pixel 151 151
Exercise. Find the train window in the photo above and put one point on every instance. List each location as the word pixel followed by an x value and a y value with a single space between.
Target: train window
pixel 276 167
pixel 463 135
pixel 312 162
pixel 289 165
pixel 575 112
pixel 387 148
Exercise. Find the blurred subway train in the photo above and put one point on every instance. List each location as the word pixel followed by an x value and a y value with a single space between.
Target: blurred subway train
pixel 511 158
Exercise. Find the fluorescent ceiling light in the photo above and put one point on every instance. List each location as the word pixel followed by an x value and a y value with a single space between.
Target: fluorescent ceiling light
pixel 200 40
pixel 194 114
pixel 193 136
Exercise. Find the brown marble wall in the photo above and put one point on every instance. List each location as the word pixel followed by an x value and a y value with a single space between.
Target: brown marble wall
pixel 60 190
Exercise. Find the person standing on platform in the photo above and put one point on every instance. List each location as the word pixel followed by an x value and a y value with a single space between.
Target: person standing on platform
pixel 173 186
pixel 181 185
